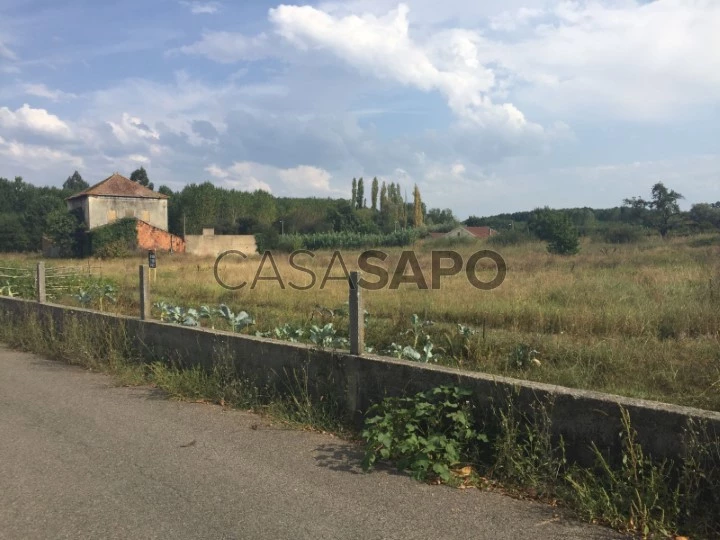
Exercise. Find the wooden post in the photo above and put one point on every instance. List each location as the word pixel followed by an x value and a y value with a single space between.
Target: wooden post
pixel 144 293
pixel 357 317
pixel 40 282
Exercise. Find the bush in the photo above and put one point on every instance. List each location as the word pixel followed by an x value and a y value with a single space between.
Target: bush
pixel 335 240
pixel 427 434
pixel 557 229
pixel 117 239
pixel 512 237
pixel 622 234
pixel 66 231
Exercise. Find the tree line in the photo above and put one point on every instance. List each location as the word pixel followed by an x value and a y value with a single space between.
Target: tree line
pixel 28 212
pixel 635 218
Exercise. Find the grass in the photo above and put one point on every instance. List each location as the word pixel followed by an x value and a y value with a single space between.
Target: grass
pixel 640 320
pixel 518 455
pixel 439 435
pixel 107 348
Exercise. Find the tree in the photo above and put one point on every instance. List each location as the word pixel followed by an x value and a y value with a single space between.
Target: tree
pixel 65 229
pixel 557 229
pixel 360 194
pixel 436 216
pixel 165 190
pixel 140 176
pixel 417 208
pixel 374 193
pixel 705 216
pixel 75 183
pixel 353 199
pixel 383 197
pixel 662 208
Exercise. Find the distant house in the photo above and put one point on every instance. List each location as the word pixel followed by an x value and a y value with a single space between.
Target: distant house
pixel 118 197
pixel 471 232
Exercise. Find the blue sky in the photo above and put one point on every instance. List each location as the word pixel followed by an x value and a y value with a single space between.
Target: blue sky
pixel 489 106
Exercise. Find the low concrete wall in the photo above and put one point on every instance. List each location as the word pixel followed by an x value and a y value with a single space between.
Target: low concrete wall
pixel 208 245
pixel 580 417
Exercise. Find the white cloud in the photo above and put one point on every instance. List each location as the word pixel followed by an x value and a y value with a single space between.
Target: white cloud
pixel 40 90
pixel 139 158
pixel 508 21
pixel 36 157
pixel 6 52
pixel 241 175
pixel 131 129
pixel 383 47
pixel 306 176
pixel 203 8
pixel 640 60
pixel 228 47
pixel 38 121
pixel 294 181
pixel 458 169
pixel 428 13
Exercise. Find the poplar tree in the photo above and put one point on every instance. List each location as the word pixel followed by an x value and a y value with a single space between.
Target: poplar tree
pixel 374 193
pixel 417 208
pixel 360 193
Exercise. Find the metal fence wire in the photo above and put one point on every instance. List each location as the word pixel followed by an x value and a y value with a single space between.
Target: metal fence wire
pixel 21 281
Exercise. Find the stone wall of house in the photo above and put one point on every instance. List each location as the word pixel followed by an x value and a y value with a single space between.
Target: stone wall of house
pixel 103 210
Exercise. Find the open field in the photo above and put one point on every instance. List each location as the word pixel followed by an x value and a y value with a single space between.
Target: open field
pixel 639 320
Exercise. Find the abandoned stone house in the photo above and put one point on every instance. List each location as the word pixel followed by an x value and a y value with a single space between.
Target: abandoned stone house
pixel 118 197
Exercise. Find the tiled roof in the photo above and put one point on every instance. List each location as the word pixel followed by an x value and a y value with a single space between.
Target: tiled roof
pixel 119 186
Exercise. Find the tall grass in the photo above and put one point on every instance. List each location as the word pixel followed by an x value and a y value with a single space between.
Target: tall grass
pixel 636 319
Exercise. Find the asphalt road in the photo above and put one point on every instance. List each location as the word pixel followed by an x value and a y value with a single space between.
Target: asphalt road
pixel 82 458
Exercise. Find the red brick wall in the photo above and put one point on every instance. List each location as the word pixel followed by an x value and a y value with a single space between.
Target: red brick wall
pixel 150 237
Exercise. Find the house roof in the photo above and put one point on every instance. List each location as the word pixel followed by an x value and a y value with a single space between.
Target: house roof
pixel 481 232
pixel 119 186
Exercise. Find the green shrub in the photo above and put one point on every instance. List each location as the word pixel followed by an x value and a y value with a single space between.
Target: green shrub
pixel 557 229
pixel 117 239
pixel 512 237
pixel 270 240
pixel 623 234
pixel 428 434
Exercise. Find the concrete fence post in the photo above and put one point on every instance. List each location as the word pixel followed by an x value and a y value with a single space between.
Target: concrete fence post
pixel 357 316
pixel 144 292
pixel 40 282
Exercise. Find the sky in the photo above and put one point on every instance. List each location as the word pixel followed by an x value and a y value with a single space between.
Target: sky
pixel 487 105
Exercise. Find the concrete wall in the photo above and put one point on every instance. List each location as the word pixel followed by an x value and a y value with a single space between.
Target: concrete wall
pixel 150 237
pixel 103 210
pixel 207 245
pixel 580 417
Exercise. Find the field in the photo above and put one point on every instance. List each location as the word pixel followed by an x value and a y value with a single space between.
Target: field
pixel 639 320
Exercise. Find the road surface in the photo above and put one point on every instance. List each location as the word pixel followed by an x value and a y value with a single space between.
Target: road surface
pixel 82 458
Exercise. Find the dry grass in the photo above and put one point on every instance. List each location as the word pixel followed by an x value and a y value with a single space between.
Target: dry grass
pixel 639 320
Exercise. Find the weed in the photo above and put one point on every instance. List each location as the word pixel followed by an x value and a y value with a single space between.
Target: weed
pixel 641 495
pixel 428 434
